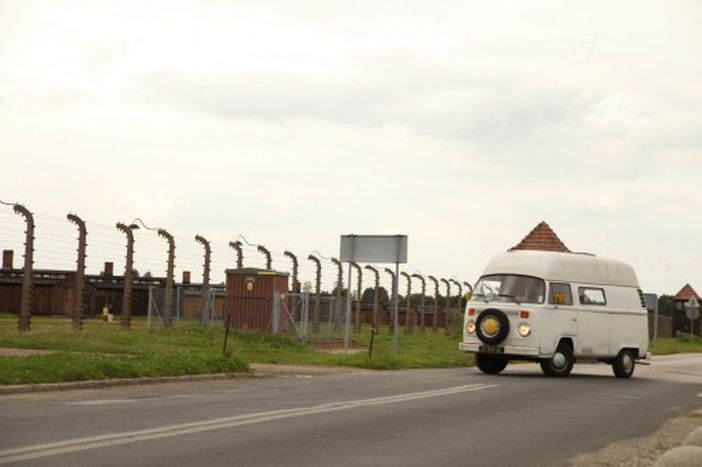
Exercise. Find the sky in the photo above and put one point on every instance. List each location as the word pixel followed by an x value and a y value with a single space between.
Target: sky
pixel 461 124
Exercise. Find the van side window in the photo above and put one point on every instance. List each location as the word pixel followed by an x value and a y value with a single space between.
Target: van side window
pixel 560 294
pixel 591 296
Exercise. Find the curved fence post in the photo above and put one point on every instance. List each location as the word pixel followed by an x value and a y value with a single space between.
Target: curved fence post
pixel 79 289
pixel 359 292
pixel 128 277
pixel 376 296
pixel 267 253
pixel 168 301
pixel 27 303
pixel 317 291
pixel 205 292
pixel 435 318
pixel 393 297
pixel 239 254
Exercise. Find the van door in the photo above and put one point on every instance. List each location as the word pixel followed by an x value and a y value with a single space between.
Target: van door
pixel 562 321
pixel 594 330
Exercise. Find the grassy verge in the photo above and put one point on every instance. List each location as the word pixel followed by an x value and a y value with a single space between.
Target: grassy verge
pixel 103 350
pixel 675 345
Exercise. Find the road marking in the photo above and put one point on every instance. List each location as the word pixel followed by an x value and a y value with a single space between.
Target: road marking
pixel 81 444
pixel 102 402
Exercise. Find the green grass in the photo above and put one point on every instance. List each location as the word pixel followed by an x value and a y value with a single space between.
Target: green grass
pixel 103 350
pixel 675 345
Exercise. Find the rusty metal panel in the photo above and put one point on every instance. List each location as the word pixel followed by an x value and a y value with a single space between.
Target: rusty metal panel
pixel 249 300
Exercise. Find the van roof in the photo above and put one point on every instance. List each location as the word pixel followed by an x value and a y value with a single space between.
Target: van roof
pixel 568 267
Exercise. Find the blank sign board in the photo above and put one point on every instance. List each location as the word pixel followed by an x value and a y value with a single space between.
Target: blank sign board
pixel 374 248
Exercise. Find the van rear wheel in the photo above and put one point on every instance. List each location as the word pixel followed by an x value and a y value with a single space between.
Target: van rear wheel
pixel 490 364
pixel 561 363
pixel 624 364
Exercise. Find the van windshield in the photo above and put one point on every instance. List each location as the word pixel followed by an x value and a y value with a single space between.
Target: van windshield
pixel 510 288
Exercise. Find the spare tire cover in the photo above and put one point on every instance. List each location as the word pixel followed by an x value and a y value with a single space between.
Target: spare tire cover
pixel 492 326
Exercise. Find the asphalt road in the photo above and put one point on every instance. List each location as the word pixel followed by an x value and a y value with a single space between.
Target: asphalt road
pixel 413 417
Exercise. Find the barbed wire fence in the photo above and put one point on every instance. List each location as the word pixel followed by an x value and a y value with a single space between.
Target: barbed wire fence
pixel 316 293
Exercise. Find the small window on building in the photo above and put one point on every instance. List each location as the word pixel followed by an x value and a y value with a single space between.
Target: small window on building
pixel 560 294
pixel 591 296
pixel 679 305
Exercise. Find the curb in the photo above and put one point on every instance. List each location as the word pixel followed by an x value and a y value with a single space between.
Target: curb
pixel 103 383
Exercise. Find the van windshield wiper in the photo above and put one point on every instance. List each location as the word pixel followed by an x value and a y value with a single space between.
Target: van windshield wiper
pixel 512 297
pixel 482 296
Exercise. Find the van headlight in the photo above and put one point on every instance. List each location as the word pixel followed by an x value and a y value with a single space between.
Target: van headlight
pixel 524 329
pixel 470 327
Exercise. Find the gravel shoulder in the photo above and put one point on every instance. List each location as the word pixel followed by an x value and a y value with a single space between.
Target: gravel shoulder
pixel 644 451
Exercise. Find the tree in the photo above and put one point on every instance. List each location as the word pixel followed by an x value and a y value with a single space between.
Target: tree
pixel 383 296
pixel 666 304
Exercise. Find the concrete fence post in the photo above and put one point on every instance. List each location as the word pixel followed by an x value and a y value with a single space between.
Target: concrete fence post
pixel 127 301
pixel 435 318
pixel 205 291
pixel 79 289
pixel 27 300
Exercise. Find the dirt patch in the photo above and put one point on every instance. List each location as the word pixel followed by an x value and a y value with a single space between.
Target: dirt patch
pixel 643 452
pixel 11 352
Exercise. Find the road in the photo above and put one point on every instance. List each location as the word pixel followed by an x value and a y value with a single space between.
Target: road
pixel 412 417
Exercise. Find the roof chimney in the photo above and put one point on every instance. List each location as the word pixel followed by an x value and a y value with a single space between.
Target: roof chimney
pixel 7 256
pixel 109 269
pixel 186 277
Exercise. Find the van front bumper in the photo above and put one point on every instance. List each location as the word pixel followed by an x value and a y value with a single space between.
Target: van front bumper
pixel 506 349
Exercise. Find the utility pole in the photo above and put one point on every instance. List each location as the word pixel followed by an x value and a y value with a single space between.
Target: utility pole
pixel 447 318
pixel 424 290
pixel 339 286
pixel 267 253
pixel 393 298
pixel 79 299
pixel 435 318
pixel 128 277
pixel 408 303
pixel 359 291
pixel 376 296
pixel 317 291
pixel 25 316
pixel 239 254
pixel 205 278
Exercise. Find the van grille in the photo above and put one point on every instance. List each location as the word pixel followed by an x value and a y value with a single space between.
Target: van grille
pixel 642 298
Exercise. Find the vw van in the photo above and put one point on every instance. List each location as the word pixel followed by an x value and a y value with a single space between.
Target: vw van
pixel 556 309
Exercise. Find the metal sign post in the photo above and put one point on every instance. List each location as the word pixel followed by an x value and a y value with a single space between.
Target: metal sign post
pixel 692 310
pixel 373 249
pixel 652 305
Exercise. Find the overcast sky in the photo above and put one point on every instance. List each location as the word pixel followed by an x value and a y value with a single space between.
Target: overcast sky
pixel 462 124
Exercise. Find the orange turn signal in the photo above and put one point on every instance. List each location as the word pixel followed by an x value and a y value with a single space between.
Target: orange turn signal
pixel 471 311
pixel 524 314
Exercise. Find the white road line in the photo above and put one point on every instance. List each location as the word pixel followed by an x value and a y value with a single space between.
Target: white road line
pixel 167 431
pixel 102 402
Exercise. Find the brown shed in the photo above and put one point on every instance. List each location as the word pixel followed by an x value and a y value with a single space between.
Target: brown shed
pixel 249 300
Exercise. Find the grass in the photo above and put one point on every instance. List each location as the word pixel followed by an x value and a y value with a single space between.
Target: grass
pixel 103 350
pixel 675 345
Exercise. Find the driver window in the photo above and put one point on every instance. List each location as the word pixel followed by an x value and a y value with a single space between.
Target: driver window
pixel 560 294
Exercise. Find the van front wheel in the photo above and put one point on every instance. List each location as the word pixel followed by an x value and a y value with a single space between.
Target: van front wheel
pixel 561 363
pixel 490 364
pixel 624 364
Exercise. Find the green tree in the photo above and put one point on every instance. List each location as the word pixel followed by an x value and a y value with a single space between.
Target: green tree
pixel 383 295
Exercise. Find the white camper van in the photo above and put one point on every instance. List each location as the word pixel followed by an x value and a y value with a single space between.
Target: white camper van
pixel 556 309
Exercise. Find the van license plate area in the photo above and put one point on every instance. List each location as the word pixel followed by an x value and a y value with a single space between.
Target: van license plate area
pixel 491 349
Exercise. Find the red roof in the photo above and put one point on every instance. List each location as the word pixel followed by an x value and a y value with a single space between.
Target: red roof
pixel 542 238
pixel 686 293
